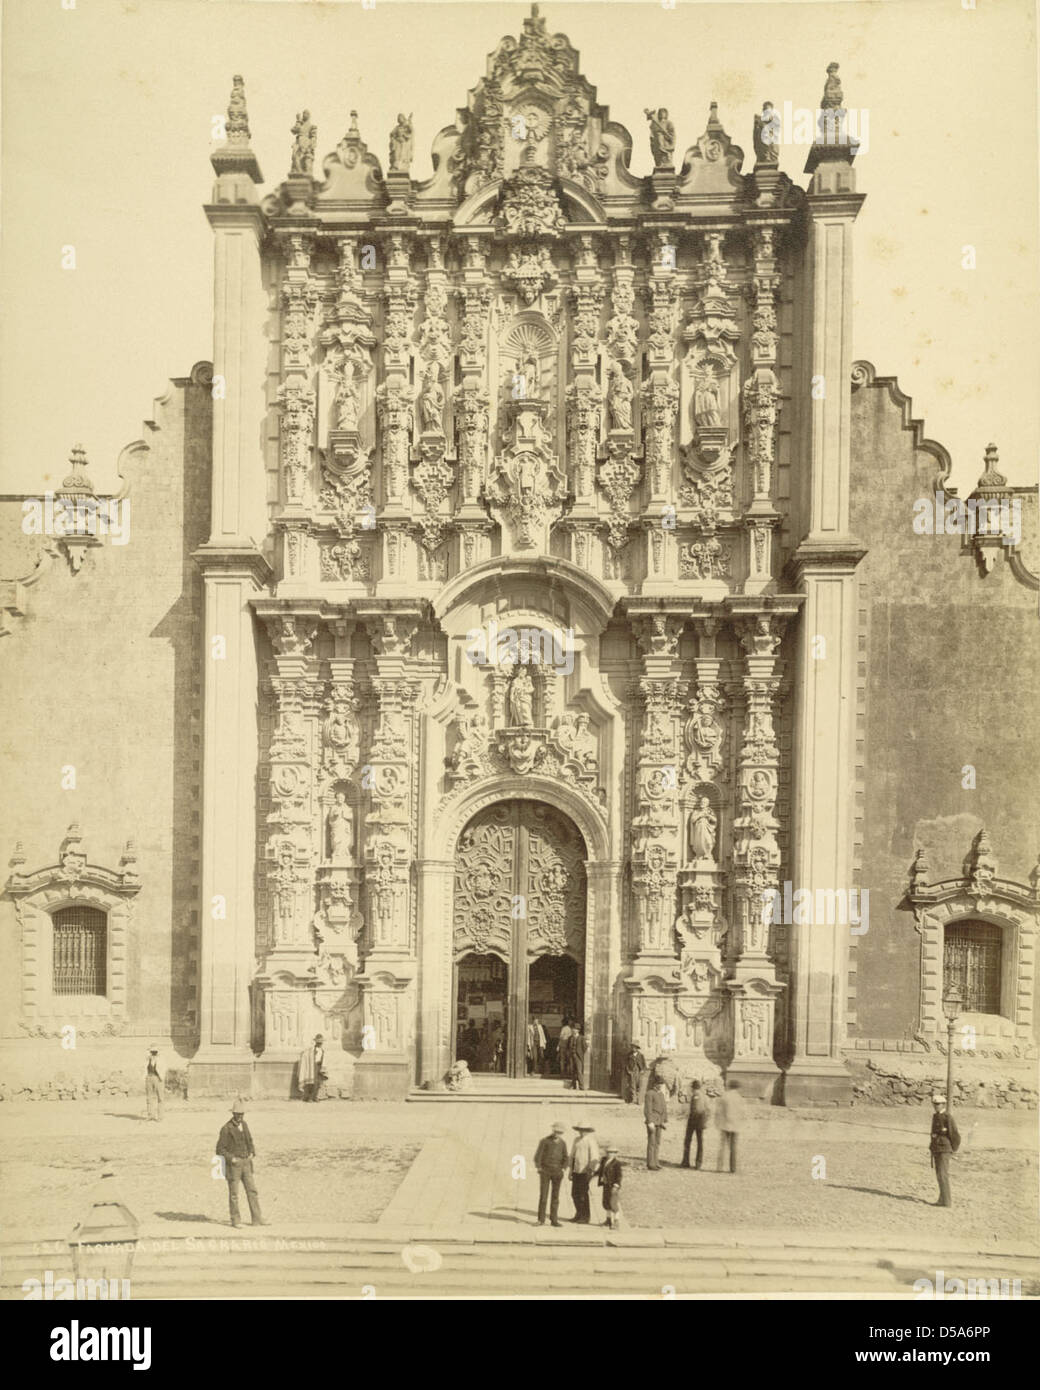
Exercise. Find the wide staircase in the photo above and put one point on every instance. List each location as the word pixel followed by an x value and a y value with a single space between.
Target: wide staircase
pixel 524 1261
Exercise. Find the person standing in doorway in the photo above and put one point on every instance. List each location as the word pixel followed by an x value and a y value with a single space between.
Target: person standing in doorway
pixel 235 1148
pixel 563 1052
pixel 696 1123
pixel 154 1082
pixel 550 1161
pixel 655 1112
pixel 610 1181
pixel 535 1047
pixel 945 1141
pixel 729 1115
pixel 579 1056
pixel 584 1162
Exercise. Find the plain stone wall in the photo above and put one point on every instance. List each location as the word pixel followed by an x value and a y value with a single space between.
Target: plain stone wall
pixel 103 673
pixel 951 666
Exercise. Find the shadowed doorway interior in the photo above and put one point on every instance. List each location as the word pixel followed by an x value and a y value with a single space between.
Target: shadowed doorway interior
pixel 518 928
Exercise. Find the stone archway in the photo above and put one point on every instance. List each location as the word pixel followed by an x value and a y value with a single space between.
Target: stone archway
pixel 519 905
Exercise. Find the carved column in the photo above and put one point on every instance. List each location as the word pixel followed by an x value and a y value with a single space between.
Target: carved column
pixel 756 863
pixel 387 982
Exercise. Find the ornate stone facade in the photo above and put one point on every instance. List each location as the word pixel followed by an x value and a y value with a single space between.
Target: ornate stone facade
pixel 538 641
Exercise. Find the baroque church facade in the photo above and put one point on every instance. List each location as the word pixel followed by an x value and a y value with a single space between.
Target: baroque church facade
pixel 518 571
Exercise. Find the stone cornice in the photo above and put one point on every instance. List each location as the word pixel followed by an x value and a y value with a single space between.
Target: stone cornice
pixel 840 556
pixel 244 561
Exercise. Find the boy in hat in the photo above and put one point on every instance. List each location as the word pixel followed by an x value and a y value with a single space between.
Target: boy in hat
pixel 945 1140
pixel 235 1147
pixel 154 1080
pixel 610 1181
pixel 550 1161
pixel 584 1161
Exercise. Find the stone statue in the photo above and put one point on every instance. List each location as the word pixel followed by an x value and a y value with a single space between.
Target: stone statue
pixel 619 399
pixel 305 145
pixel 401 145
pixel 662 137
pixel 832 99
pixel 706 409
pixel 703 827
pixel 340 821
pixel 521 700
pixel 584 746
pixel 767 135
pixel 347 399
pixel 431 402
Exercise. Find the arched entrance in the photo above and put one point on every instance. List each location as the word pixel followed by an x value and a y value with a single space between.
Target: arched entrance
pixel 518 931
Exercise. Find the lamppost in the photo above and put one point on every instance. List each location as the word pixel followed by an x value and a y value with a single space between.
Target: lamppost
pixel 952 1000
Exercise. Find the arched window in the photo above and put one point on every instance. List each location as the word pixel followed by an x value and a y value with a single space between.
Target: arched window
pixel 972 962
pixel 80 950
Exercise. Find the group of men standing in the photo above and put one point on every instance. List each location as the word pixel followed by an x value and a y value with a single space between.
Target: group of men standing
pixel 729 1112
pixel 584 1162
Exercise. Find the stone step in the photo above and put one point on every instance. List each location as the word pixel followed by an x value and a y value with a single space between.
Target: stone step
pixel 533 1095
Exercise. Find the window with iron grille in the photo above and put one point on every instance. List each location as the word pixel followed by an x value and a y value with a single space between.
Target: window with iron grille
pixel 971 961
pixel 79 950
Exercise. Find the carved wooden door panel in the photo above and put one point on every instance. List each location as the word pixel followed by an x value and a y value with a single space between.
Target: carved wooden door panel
pixel 519 894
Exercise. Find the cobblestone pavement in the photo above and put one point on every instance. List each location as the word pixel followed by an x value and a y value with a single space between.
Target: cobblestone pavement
pixel 359 1163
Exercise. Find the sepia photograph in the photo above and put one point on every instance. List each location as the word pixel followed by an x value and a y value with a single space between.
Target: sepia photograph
pixel 519 660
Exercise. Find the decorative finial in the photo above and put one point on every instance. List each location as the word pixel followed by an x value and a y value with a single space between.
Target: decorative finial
pixel 237 116
pixel 306 143
pixel 991 476
pixel 77 481
pixel 234 157
pixel 920 872
pixel 980 865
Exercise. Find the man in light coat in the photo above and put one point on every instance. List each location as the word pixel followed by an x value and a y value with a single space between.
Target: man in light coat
pixel 729 1116
pixel 312 1069
pixel 584 1163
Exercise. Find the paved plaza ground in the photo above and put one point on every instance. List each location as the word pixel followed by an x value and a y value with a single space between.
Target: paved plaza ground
pixel 449 1165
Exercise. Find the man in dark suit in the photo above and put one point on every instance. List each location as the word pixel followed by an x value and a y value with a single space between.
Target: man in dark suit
pixel 655 1112
pixel 550 1160
pixel 696 1122
pixel 945 1140
pixel 235 1148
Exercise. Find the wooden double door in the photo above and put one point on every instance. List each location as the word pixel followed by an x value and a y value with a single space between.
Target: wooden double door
pixel 518 929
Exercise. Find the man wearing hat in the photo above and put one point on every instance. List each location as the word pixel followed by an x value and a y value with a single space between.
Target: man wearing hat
pixel 584 1162
pixel 655 1113
pixel 312 1069
pixel 550 1160
pixel 154 1080
pixel 235 1147
pixel 945 1140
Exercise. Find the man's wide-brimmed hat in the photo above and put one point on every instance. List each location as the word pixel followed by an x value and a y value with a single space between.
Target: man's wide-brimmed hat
pixel 238 1108
pixel 318 1038
pixel 153 1049
pixel 612 1149
pixel 559 1127
pixel 938 1099
pixel 587 1129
